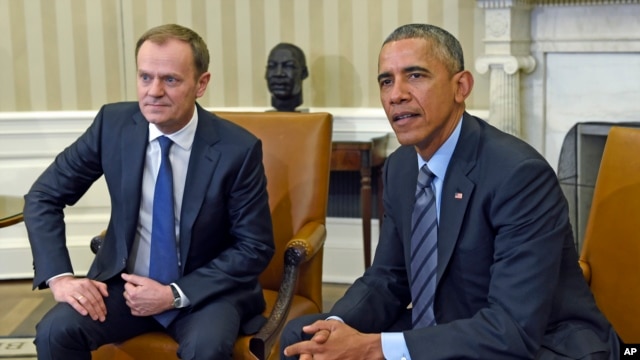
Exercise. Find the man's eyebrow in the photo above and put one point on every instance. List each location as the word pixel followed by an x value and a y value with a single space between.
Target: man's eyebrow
pixel 415 68
pixel 160 75
pixel 383 75
pixel 408 69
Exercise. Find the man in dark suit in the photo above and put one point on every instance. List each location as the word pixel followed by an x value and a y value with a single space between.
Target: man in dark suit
pixel 223 236
pixel 507 281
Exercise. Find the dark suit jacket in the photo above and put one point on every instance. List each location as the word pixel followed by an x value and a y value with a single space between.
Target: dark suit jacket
pixel 508 279
pixel 226 239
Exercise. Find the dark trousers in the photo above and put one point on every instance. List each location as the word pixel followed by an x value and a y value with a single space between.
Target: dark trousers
pixel 208 332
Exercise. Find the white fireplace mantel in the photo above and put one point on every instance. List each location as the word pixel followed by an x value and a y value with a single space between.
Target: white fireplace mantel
pixel 488 4
pixel 554 63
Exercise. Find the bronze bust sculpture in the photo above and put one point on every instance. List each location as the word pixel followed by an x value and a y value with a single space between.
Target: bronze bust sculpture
pixel 286 68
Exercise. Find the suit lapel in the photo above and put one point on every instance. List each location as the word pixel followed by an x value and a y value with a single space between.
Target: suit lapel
pixel 400 183
pixel 455 198
pixel 202 162
pixel 408 179
pixel 133 144
pixel 457 191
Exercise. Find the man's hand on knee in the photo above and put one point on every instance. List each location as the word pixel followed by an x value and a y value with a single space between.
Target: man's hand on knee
pixel 84 295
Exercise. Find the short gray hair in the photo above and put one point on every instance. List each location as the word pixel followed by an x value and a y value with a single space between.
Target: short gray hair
pixel 445 46
pixel 161 34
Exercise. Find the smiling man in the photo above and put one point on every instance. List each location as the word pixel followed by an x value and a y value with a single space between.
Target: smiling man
pixel 475 258
pixel 190 228
pixel 286 68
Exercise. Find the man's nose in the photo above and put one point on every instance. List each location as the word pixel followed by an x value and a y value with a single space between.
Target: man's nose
pixel 399 92
pixel 156 88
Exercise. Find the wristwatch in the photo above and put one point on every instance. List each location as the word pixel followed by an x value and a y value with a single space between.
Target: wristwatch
pixel 177 299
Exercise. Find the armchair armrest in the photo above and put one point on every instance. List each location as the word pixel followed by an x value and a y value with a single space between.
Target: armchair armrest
pixel 304 245
pixel 586 270
pixel 311 237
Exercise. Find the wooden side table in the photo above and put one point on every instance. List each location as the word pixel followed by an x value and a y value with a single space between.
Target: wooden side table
pixel 10 210
pixel 364 152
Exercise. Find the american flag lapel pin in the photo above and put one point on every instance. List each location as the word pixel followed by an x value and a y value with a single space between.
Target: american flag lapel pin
pixel 457 196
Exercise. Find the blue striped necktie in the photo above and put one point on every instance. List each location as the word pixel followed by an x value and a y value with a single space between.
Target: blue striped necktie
pixel 424 251
pixel 163 263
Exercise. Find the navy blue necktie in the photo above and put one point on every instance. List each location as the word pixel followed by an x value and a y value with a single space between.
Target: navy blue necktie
pixel 163 263
pixel 424 251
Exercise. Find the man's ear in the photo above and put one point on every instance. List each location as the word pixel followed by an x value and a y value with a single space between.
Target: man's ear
pixel 305 73
pixel 202 83
pixel 464 85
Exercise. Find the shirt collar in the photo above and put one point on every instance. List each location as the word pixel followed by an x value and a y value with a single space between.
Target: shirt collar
pixel 183 137
pixel 440 160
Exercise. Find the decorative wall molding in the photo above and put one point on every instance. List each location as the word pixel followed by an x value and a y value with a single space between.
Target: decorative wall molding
pixel 497 24
pixel 583 2
pixel 510 64
pixel 507 54
pixel 496 4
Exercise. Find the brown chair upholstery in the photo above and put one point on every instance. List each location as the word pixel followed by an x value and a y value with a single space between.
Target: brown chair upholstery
pixel 611 251
pixel 297 156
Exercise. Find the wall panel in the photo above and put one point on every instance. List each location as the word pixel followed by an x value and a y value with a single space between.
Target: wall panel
pixel 77 55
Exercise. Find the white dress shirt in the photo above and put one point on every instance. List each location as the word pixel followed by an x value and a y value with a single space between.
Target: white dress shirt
pixel 179 155
pixel 393 344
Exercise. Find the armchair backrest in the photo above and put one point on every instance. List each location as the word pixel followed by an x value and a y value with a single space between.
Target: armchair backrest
pixel 297 158
pixel 611 249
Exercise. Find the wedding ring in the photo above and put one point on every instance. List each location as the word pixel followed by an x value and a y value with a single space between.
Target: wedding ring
pixel 79 298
